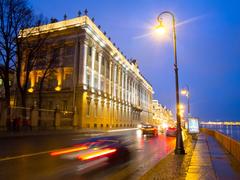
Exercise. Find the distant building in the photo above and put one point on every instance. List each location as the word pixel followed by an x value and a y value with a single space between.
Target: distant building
pixel 161 115
pixel 92 78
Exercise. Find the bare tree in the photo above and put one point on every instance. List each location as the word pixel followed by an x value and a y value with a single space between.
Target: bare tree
pixel 29 46
pixel 17 51
pixel 47 65
pixel 14 15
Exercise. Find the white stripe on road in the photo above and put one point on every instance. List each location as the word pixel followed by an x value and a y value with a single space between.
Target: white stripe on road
pixel 24 155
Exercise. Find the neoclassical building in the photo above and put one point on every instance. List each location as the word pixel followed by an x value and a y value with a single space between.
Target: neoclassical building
pixel 161 115
pixel 92 78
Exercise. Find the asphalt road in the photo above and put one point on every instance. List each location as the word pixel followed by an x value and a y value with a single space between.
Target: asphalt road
pixel 28 157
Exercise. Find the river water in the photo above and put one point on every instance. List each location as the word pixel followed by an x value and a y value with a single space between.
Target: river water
pixel 230 130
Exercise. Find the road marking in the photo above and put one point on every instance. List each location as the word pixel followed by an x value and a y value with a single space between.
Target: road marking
pixel 24 155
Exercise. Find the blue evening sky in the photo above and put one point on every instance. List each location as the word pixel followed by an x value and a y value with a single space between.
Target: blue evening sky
pixel 208 45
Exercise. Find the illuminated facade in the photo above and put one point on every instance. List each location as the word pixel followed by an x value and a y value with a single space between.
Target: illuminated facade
pixel 161 115
pixel 92 77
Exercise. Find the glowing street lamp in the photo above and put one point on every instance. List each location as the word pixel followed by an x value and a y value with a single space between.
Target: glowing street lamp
pixel 179 149
pixel 185 92
pixel 160 29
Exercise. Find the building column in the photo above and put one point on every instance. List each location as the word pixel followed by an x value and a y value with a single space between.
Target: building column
pixel 110 77
pixel 93 61
pixel 75 82
pixel 76 64
pixel 132 95
pixel 82 76
pixel 123 84
pixel 99 70
pixel 119 82
pixel 114 81
pixel 126 86
pixel 133 92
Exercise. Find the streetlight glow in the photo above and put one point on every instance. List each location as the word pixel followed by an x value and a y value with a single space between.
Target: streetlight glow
pixel 184 92
pixel 160 28
pixel 181 106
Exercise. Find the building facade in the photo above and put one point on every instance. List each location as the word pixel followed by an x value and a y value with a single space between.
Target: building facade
pixel 162 116
pixel 92 78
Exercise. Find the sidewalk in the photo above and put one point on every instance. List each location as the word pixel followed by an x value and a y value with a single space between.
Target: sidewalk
pixel 201 165
pixel 205 160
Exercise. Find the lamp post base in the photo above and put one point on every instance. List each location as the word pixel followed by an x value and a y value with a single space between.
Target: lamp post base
pixel 180 151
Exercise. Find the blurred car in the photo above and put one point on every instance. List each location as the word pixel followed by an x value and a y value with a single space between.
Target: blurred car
pixel 110 149
pixel 171 131
pixel 149 130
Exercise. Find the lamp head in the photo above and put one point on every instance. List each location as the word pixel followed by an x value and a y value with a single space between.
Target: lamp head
pixel 160 28
pixel 184 92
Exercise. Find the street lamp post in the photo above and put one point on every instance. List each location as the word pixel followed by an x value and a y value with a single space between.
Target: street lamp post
pixel 179 149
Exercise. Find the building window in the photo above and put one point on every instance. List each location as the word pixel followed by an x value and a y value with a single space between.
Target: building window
pixel 69 51
pixel 1 82
pixel 96 110
pixel 103 66
pixel 103 84
pixel 89 51
pixel 96 63
pixel 107 70
pixel 56 57
pixel 50 105
pixel 89 62
pixel 68 55
pixel 95 81
pixel 88 109
pixel 88 78
pixel 65 105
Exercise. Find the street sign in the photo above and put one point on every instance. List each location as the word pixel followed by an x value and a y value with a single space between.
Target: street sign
pixel 193 125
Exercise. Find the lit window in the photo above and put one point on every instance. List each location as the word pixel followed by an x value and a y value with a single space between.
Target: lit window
pixel 1 82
